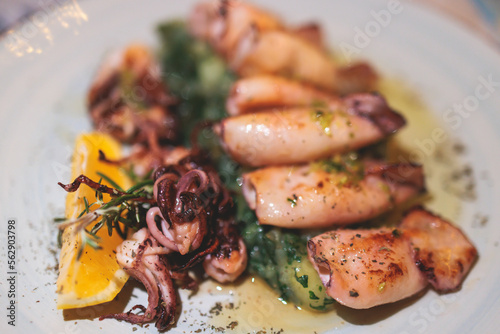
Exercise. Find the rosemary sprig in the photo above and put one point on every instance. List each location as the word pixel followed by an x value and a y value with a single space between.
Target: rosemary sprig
pixel 126 210
pixel 110 181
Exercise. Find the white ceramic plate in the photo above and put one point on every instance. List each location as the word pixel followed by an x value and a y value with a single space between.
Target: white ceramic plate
pixel 46 65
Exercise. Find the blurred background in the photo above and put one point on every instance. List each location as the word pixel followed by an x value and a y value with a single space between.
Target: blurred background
pixel 480 16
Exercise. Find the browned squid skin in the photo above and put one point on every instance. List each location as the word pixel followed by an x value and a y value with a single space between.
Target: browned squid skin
pixel 370 267
pixel 255 42
pixel 365 268
pixel 440 250
pixel 139 257
pixel 302 134
pixel 229 260
pixel 310 197
pixel 129 101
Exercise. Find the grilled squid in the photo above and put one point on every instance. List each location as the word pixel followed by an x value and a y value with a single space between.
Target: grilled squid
pixel 144 159
pixel 129 100
pixel 441 251
pixel 325 193
pixel 222 23
pixel 297 135
pixel 229 261
pixel 369 267
pixel 267 91
pixel 187 198
pixel 141 258
pixel 255 42
pixel 190 221
pixel 282 53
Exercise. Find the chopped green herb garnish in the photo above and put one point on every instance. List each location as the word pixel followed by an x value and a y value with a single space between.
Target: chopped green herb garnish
pixel 324 119
pixel 312 295
pixel 349 164
pixel 293 201
pixel 303 280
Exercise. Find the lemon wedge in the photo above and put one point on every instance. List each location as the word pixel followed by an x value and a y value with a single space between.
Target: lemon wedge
pixel 95 277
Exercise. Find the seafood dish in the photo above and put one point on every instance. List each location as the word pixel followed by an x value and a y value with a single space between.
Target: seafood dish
pixel 250 151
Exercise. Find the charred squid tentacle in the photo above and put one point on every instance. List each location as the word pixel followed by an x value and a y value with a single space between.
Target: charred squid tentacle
pixel 409 174
pixel 211 247
pixel 160 236
pixel 116 108
pixel 151 270
pixel 229 260
pixel 187 181
pixel 71 187
pixel 82 179
pixel 375 108
pixel 180 222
